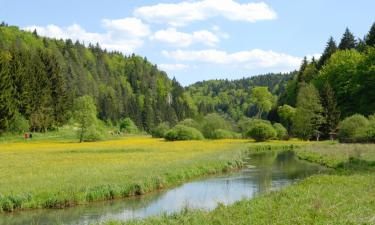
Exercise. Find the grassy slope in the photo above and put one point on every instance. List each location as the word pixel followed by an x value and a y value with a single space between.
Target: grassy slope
pixel 59 173
pixel 347 196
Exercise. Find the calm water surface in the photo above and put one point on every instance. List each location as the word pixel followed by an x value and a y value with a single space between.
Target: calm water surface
pixel 264 172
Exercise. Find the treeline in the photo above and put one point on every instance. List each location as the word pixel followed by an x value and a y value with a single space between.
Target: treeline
pixel 234 97
pixel 40 78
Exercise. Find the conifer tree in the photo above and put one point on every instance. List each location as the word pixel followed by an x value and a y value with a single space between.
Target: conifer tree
pixel 7 105
pixel 370 37
pixel 347 41
pixel 331 48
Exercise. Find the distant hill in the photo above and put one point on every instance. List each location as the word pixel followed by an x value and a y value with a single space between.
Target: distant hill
pixel 233 96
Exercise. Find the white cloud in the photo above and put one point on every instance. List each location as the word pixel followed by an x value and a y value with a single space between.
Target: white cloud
pixel 169 67
pixel 180 14
pixel 252 59
pixel 122 34
pixel 132 27
pixel 173 37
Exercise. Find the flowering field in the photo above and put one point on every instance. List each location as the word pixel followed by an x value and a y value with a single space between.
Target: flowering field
pixel 43 174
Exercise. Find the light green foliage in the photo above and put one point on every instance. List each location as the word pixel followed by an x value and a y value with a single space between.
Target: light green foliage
pixel 84 113
pixel 352 128
pixel 263 99
pixel 308 118
pixel 262 132
pixel 160 130
pixel 181 132
pixel 127 126
pixel 225 134
pixel 191 123
pixel 18 124
pixel 286 114
pixel 281 132
pixel 213 122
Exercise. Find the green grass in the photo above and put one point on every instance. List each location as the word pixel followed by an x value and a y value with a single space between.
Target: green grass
pixel 335 198
pixel 53 172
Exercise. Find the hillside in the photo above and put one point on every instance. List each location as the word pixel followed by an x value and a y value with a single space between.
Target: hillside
pixel 233 97
pixel 40 78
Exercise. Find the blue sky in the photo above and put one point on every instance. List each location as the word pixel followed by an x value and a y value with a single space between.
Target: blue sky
pixel 201 39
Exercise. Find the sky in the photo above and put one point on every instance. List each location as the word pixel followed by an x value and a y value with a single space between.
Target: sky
pixel 201 39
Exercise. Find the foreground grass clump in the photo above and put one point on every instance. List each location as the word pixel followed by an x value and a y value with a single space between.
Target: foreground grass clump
pixel 46 174
pixel 321 199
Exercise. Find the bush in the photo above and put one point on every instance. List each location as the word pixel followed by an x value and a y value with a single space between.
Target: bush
pixel 160 131
pixel 281 132
pixel 181 132
pixel 245 124
pixel 262 132
pixel 191 123
pixel 128 126
pixel 352 128
pixel 213 122
pixel 18 124
pixel 225 134
pixel 93 134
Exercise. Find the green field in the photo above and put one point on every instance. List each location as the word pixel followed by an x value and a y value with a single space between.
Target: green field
pixel 344 196
pixel 50 172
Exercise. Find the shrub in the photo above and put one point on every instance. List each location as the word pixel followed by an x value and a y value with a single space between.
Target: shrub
pixel 281 132
pixel 225 134
pixel 128 126
pixel 245 124
pixel 19 124
pixel 350 128
pixel 191 123
pixel 181 132
pixel 93 133
pixel 213 122
pixel 160 130
pixel 262 132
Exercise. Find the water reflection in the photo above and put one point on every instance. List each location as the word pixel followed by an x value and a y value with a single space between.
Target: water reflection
pixel 265 172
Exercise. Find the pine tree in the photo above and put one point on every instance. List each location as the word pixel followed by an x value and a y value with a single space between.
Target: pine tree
pixel 7 105
pixel 347 41
pixel 308 117
pixel 331 111
pixel 370 37
pixel 331 48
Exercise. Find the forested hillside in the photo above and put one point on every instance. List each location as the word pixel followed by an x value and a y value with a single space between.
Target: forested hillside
pixel 234 97
pixel 40 78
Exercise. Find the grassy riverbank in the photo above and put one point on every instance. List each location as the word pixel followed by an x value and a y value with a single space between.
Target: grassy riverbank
pixel 345 196
pixel 48 173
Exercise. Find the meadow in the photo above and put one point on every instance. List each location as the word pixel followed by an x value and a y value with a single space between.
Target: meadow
pixel 346 195
pixel 54 172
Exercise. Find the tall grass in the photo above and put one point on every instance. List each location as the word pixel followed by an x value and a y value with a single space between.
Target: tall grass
pixel 56 174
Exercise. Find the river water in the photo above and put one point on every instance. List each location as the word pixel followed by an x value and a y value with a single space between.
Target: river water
pixel 263 173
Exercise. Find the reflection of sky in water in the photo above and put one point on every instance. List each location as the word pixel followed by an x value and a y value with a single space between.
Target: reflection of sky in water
pixel 271 172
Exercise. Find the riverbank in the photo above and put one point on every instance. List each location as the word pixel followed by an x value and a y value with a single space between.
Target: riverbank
pixel 345 196
pixel 55 174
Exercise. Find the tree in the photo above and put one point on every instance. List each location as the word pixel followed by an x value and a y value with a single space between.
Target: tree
pixel 286 114
pixel 347 41
pixel 370 37
pixel 331 111
pixel 308 118
pixel 7 103
pixel 84 113
pixel 331 48
pixel 263 100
